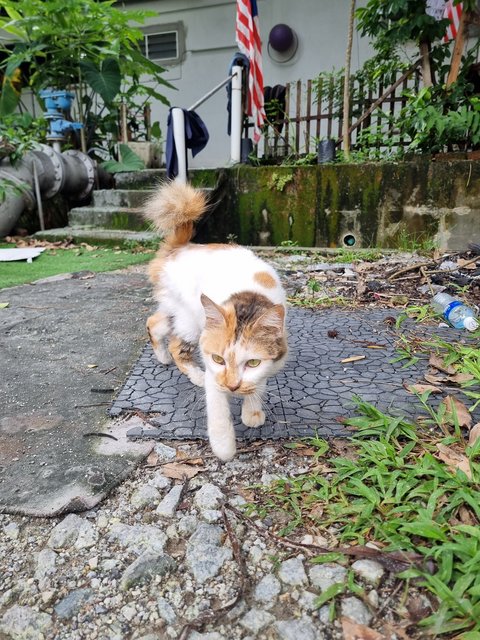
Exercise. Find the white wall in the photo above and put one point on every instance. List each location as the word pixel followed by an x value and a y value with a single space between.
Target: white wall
pixel 321 26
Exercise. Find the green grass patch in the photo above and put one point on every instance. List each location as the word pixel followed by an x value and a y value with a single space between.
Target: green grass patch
pixel 409 486
pixel 56 261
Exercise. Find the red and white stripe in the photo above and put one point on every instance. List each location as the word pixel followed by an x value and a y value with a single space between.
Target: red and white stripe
pixel 453 13
pixel 249 43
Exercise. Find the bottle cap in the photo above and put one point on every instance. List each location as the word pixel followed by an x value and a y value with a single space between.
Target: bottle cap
pixel 471 324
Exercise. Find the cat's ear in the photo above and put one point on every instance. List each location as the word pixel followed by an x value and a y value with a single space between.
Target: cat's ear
pixel 273 320
pixel 213 312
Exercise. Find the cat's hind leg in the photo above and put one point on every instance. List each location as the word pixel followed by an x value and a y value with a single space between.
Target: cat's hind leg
pixel 183 354
pixel 252 412
pixel 158 328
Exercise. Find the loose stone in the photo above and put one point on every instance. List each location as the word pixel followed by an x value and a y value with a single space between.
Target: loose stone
pixel 296 629
pixel 138 538
pixel 145 567
pixel 12 530
pixel 72 603
pixel 168 505
pixel 208 497
pixel 23 623
pixel 371 571
pixel 145 496
pixel 324 576
pixel 65 534
pixel 256 619
pixel 165 611
pixel 354 609
pixel 204 554
pixel 45 564
pixel 292 572
pixel 165 453
pixel 267 590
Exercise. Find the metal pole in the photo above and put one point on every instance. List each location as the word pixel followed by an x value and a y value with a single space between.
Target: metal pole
pixel 38 196
pixel 236 116
pixel 210 93
pixel 179 138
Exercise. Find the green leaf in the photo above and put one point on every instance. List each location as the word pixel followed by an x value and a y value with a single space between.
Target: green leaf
pixel 4 305
pixel 105 81
pixel 425 529
pixel 129 161
pixel 332 592
pixel 9 98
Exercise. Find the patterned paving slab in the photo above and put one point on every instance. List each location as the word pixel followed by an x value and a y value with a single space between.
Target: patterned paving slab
pixel 309 396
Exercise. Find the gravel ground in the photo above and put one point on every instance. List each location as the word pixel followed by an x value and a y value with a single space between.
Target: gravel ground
pixel 157 559
pixel 156 555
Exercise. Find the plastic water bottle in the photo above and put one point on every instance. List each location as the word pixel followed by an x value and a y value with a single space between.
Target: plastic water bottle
pixel 455 312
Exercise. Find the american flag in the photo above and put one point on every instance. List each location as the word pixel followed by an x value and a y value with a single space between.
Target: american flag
pixel 249 43
pixel 453 13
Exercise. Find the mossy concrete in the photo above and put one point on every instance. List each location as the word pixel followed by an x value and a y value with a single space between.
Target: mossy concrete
pixel 376 204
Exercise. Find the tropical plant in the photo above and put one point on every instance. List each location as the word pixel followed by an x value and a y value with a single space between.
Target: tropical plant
pixel 19 133
pixel 92 50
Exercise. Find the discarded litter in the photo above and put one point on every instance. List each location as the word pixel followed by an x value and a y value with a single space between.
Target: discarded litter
pixel 455 312
pixel 9 255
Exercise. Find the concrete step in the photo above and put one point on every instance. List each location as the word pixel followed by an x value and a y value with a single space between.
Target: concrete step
pixel 151 178
pixel 145 179
pixel 123 198
pixel 111 237
pixel 110 217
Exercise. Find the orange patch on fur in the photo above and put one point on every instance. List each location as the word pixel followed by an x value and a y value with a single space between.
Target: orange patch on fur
pixel 265 279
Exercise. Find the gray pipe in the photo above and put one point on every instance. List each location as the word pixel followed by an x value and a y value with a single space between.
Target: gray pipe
pixel 71 173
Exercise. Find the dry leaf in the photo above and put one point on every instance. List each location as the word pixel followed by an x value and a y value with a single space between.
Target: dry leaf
pixel 464 417
pixel 435 379
pixel 92 366
pixel 461 262
pixel 354 631
pixel 466 516
pixel 460 377
pixel 375 346
pixel 353 359
pixel 152 459
pixel 180 471
pixel 421 388
pixel 247 494
pixel 438 363
pixel 454 460
pixel 474 434
pixel 304 451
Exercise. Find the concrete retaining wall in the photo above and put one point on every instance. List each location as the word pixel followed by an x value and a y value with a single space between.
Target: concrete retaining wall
pixel 376 204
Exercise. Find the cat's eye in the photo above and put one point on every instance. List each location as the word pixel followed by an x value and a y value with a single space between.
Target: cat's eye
pixel 253 363
pixel 218 359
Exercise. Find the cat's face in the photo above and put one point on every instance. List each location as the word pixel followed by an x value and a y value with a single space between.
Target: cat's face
pixel 243 342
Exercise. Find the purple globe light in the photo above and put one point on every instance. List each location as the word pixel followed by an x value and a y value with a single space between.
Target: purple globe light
pixel 281 38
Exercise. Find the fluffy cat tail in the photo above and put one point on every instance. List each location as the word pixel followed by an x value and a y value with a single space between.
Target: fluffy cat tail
pixel 173 209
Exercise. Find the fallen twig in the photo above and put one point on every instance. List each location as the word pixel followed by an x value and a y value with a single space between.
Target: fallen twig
pixel 410 267
pixel 456 268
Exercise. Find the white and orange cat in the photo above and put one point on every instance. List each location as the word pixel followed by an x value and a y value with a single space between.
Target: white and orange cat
pixel 220 298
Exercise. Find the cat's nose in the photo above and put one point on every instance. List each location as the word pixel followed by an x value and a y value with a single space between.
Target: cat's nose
pixel 233 386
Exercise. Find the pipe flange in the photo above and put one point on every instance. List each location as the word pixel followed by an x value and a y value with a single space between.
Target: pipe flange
pixel 58 171
pixel 90 170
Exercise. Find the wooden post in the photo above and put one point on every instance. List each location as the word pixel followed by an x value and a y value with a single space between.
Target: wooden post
pixel 426 69
pixel 457 50
pixel 346 84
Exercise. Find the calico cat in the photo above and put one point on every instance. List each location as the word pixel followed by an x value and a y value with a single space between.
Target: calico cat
pixel 222 299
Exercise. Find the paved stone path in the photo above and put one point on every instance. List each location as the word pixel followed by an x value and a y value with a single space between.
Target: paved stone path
pixel 316 387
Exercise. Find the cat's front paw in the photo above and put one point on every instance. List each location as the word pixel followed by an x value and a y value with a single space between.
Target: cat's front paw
pixel 224 449
pixel 197 376
pixel 163 355
pixel 252 417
